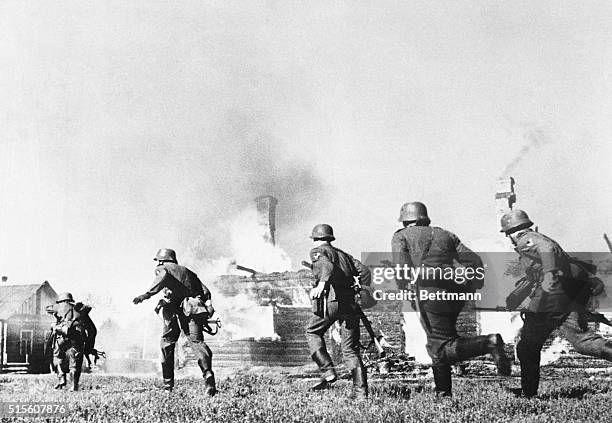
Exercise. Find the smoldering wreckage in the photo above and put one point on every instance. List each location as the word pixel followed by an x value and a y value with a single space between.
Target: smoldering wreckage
pixel 321 299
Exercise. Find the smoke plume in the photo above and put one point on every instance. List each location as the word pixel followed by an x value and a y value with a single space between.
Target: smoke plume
pixel 247 161
pixel 534 137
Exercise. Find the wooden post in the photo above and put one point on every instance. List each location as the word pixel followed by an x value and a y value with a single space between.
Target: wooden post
pixel 504 196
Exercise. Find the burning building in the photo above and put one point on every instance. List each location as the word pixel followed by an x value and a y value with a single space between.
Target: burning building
pixel 265 312
pixel 265 306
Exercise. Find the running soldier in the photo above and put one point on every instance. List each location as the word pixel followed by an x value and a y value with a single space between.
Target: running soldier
pixel 559 298
pixel 334 271
pixel 418 244
pixel 187 307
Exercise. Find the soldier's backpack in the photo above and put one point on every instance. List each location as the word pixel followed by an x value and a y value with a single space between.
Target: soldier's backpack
pixel 89 328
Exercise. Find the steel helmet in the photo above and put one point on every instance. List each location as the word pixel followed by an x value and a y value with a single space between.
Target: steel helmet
pixel 414 212
pixel 515 220
pixel 64 297
pixel 323 231
pixel 166 254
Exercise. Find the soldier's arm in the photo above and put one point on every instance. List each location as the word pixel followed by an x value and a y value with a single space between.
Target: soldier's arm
pixel 399 248
pixel 363 272
pixel 207 298
pixel 465 256
pixel 160 282
pixel 322 270
pixel 548 255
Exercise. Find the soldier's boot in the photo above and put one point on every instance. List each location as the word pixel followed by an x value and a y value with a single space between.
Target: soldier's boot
pixel 442 380
pixel 529 357
pixel 360 383
pixel 529 384
pixel 209 381
pixel 485 344
pixel 497 350
pixel 75 376
pixel 61 381
pixel 205 363
pixel 324 361
pixel 167 366
pixel 168 375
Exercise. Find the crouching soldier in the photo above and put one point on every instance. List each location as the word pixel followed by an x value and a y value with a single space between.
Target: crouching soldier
pixel 558 300
pixel 419 244
pixel 67 342
pixel 187 307
pixel 334 271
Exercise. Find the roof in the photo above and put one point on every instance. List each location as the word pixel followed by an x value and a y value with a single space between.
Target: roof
pixel 13 296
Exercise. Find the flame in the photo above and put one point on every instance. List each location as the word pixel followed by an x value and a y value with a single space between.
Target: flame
pixel 249 247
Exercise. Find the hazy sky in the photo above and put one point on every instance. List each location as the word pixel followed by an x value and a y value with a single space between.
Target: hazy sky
pixel 127 126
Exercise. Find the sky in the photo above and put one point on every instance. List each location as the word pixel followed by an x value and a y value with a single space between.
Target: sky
pixel 128 126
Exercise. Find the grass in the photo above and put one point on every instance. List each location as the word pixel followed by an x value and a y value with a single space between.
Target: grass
pixel 250 397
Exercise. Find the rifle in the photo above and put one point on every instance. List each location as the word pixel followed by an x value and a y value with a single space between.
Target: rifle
pixel 364 319
pixel 608 242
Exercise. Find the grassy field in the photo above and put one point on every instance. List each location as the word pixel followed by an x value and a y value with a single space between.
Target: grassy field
pixel 249 397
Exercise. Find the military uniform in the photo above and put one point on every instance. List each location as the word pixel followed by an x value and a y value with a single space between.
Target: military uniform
pixel 335 269
pixel 561 306
pixel 89 330
pixel 68 348
pixel 179 283
pixel 435 247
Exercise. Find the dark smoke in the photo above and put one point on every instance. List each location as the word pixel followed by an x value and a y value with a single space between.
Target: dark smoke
pixel 249 161
pixel 535 138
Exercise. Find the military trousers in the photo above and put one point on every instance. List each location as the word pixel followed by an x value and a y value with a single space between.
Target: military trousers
pixel 444 345
pixel 537 328
pixel 175 321
pixel 67 358
pixel 346 314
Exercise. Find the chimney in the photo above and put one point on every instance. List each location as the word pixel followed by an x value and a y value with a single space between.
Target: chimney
pixel 266 217
pixel 504 196
pixel 4 279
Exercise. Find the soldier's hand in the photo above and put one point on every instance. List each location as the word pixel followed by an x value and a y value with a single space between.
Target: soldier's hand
pixel 317 291
pixel 549 282
pixel 139 299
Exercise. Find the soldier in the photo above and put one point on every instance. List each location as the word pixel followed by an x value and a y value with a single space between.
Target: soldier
pixel 334 271
pixel 68 342
pixel 89 332
pixel 188 307
pixel 557 301
pixel 419 244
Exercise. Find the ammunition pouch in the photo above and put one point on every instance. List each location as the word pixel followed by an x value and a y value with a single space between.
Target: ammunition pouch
pixel 193 306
